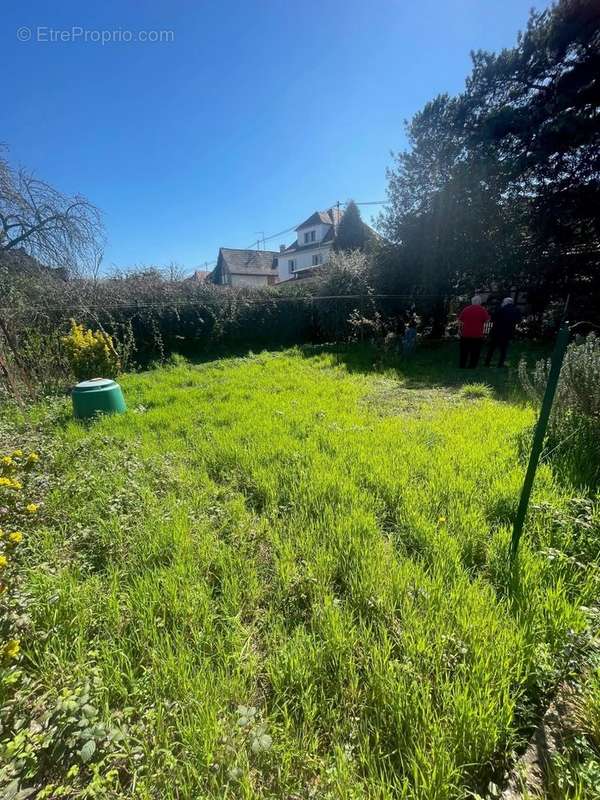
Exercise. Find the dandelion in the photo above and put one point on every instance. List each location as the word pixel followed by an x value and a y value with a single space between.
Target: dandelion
pixel 16 537
pixel 31 508
pixel 12 648
pixel 441 520
pixel 33 458
pixel 17 453
pixel 10 484
pixel 3 561
pixel 7 461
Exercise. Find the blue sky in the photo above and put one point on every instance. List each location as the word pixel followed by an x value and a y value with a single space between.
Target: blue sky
pixel 255 115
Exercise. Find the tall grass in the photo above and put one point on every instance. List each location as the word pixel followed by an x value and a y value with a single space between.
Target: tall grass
pixel 279 592
pixel 573 439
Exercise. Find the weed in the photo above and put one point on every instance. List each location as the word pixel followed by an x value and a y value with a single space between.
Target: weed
pixel 276 591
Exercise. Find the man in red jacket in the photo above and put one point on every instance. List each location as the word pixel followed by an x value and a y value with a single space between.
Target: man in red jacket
pixel 472 322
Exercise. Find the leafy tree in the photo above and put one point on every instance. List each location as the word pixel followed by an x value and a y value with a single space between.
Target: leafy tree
pixel 503 182
pixel 533 113
pixel 351 231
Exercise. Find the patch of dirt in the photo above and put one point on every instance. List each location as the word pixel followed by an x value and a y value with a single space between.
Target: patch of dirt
pixel 528 777
pixel 390 399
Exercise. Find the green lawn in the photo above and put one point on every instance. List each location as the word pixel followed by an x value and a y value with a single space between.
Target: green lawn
pixel 286 576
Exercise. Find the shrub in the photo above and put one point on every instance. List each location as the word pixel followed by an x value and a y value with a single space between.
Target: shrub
pixel 91 354
pixel 476 391
pixel 574 428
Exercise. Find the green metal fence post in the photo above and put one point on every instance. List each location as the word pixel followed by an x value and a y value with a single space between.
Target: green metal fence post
pixel 560 347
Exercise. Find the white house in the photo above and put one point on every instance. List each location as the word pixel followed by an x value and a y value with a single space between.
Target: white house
pixel 312 247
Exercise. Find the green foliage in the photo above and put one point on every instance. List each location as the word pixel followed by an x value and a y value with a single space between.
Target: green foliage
pixel 351 233
pixel 91 354
pixel 575 769
pixel 501 183
pixel 269 585
pixel 347 275
pixel 66 747
pixel 476 391
pixel 574 429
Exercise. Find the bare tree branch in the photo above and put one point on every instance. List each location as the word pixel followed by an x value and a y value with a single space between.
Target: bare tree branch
pixel 59 231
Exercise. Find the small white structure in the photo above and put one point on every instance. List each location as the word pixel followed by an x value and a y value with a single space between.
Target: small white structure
pixel 315 237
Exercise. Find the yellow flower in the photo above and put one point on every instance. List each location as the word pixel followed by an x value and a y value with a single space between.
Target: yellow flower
pixel 441 520
pixel 12 648
pixel 32 458
pixel 10 484
pixel 31 508
pixel 7 461
pixel 17 453
pixel 3 561
pixel 15 537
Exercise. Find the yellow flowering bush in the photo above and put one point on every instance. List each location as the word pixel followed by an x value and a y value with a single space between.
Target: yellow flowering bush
pixel 91 354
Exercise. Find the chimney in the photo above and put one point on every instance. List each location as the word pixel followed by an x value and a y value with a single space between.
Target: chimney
pixel 281 248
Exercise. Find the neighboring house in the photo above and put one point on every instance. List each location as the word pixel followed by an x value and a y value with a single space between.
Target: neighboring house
pixel 199 276
pixel 315 237
pixel 245 267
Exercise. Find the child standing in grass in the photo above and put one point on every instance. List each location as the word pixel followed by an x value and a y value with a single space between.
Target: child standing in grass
pixel 409 340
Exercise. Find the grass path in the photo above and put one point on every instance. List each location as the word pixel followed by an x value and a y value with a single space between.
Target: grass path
pixel 280 576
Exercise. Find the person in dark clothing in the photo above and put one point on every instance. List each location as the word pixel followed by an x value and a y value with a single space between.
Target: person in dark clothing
pixel 504 321
pixel 472 322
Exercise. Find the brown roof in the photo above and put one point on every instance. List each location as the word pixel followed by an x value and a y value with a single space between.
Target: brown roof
pixel 199 275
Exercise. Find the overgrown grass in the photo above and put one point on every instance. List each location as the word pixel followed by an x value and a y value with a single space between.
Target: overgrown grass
pixel 271 589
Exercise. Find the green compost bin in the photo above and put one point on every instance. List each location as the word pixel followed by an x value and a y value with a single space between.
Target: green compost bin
pixel 97 396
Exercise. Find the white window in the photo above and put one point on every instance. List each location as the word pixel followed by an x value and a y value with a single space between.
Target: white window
pixel 291 264
pixel 310 236
pixel 316 259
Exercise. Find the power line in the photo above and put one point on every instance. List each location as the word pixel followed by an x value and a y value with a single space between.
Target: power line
pixel 293 227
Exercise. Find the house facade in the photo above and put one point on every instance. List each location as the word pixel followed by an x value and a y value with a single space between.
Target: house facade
pixel 249 268
pixel 312 248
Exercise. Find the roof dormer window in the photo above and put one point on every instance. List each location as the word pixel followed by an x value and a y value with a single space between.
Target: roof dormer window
pixel 310 236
